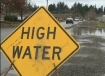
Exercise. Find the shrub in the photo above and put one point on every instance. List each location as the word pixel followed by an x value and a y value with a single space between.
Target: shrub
pixel 10 18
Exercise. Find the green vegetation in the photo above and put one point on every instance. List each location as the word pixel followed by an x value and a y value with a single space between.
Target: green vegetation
pixel 98 23
pixel 6 24
pixel 9 22
pixel 78 9
pixel 10 18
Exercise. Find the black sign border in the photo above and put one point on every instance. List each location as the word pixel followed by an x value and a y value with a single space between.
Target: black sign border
pixel 57 24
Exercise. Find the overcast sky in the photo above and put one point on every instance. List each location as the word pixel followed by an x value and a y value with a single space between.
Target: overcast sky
pixel 98 3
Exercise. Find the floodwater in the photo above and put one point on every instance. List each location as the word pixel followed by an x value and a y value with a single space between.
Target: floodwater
pixel 87 31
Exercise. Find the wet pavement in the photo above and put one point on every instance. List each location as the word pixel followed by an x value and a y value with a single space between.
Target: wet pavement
pixel 88 61
pixel 10 73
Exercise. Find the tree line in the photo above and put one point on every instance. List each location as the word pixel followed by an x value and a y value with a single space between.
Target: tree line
pixel 78 9
pixel 16 6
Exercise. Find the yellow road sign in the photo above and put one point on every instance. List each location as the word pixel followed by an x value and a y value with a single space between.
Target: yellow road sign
pixel 38 43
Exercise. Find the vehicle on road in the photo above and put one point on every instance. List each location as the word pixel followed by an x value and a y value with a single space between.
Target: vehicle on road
pixel 69 20
pixel 76 19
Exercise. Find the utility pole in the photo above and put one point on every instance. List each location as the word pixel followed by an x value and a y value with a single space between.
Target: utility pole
pixel 47 4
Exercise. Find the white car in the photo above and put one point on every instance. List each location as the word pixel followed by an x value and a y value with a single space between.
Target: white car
pixel 69 20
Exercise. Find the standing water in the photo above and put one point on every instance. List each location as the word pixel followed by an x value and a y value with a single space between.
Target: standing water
pixel 87 31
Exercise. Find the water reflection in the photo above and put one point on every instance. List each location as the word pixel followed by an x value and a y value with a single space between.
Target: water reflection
pixel 87 31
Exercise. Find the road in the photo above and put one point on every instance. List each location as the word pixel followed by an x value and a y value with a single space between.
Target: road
pixel 89 61
pixel 4 63
pixel 68 25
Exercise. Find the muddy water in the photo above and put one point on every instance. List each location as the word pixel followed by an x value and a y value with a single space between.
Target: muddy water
pixel 87 31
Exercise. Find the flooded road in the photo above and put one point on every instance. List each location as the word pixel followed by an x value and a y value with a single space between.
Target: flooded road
pixel 87 31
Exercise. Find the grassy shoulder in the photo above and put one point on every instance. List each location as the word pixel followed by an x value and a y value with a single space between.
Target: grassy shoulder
pixel 7 24
pixel 98 23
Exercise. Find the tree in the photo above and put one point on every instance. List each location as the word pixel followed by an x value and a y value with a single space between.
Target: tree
pixel 34 8
pixel 52 8
pixel 1 8
pixel 60 8
pixel 100 11
pixel 78 9
pixel 96 9
pixel 15 5
pixel 6 3
pixel 92 14
pixel 67 10
pixel 29 8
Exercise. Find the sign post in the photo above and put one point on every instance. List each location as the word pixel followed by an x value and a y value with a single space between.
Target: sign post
pixel 39 43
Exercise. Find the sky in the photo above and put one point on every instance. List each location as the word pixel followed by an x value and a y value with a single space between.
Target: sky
pixel 70 3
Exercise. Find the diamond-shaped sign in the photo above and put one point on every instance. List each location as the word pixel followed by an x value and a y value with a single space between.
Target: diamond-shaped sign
pixel 38 43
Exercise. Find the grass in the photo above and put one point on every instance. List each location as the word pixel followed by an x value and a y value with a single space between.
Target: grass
pixel 98 23
pixel 6 24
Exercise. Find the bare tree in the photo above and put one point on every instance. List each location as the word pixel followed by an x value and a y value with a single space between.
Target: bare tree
pixel 92 14
pixel 15 5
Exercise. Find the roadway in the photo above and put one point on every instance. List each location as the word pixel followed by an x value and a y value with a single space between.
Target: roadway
pixel 68 25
